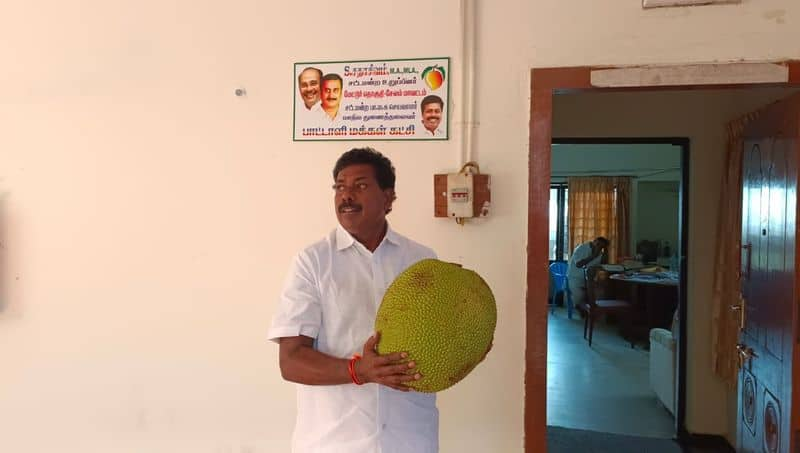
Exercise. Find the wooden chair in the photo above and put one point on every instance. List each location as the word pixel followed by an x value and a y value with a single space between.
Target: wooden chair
pixel 598 302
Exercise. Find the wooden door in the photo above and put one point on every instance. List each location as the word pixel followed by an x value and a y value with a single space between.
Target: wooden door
pixel 768 339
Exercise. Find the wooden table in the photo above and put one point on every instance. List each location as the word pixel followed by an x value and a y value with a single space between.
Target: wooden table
pixel 654 295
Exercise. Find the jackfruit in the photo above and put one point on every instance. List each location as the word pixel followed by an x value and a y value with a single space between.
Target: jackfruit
pixel 443 316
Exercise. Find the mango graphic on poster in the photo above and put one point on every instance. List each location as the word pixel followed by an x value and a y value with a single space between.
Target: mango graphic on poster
pixel 433 76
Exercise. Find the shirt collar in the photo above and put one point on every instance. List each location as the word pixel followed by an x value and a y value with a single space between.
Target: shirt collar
pixel 345 239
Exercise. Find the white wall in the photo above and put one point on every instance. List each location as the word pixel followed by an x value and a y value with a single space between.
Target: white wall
pixel 657 213
pixel 653 162
pixel 148 215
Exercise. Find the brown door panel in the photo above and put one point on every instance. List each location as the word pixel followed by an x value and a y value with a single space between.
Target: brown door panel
pixel 768 341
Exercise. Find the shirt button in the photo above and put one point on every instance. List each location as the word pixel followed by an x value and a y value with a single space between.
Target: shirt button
pixel 383 426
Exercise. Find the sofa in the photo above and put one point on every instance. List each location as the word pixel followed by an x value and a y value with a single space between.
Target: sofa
pixel 663 364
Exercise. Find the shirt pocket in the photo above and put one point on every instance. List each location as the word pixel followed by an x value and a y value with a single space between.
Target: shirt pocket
pixel 348 317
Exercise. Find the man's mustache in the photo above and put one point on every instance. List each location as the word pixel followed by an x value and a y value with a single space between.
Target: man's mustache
pixel 348 205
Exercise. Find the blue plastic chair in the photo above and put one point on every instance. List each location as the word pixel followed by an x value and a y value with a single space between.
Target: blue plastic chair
pixel 558 274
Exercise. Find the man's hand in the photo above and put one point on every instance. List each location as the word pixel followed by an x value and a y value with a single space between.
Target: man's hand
pixel 391 370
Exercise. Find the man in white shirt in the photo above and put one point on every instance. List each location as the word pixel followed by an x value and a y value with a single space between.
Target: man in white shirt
pixel 331 96
pixel 326 316
pixel 309 111
pixel 308 83
pixel 588 254
pixel 432 107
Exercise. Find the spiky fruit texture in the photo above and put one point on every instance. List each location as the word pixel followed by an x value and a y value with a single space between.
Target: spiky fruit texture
pixel 443 316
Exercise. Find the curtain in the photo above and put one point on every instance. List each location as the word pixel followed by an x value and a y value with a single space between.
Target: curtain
pixel 623 207
pixel 726 290
pixel 600 206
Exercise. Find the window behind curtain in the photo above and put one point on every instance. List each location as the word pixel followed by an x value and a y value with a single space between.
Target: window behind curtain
pixel 600 206
pixel 558 245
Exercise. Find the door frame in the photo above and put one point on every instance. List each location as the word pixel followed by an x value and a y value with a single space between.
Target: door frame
pixel 545 83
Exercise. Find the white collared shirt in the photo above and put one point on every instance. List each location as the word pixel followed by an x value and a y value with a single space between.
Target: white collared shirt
pixel 581 252
pixel 332 294
pixel 438 132
pixel 327 118
pixel 309 116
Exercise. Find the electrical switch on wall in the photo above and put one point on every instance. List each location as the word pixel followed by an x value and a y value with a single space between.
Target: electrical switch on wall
pixel 462 195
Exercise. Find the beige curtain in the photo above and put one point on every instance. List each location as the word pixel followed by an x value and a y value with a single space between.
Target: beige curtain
pixel 600 206
pixel 623 236
pixel 724 322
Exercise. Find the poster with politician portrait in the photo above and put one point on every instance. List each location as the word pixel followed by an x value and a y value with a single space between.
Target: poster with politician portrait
pixel 372 100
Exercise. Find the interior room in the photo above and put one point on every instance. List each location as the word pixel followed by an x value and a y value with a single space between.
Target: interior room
pixel 575 370
pixel 630 404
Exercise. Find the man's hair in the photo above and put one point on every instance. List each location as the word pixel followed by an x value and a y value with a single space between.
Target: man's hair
pixel 310 68
pixel 384 171
pixel 333 76
pixel 430 99
pixel 603 240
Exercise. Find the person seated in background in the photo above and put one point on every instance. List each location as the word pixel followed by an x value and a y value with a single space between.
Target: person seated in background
pixel 588 254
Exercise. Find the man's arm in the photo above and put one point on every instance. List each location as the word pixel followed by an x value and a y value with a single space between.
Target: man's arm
pixel 301 363
pixel 585 261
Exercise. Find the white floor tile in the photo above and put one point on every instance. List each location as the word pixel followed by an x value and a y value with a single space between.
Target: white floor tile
pixel 603 388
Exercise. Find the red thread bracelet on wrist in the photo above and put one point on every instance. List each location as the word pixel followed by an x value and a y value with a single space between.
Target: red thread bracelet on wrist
pixel 351 368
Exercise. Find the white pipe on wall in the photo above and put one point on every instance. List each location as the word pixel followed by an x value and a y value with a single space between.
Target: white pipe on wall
pixel 468 63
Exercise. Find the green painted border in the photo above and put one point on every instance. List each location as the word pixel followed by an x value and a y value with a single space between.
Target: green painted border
pixel 294 102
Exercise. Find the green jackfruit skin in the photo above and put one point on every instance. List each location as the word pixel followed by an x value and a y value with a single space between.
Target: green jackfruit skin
pixel 443 316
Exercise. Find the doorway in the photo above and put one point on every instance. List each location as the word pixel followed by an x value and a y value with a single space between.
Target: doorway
pixel 545 84
pixel 610 376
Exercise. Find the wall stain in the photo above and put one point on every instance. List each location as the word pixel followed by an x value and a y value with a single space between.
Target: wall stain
pixel 141 420
pixel 778 15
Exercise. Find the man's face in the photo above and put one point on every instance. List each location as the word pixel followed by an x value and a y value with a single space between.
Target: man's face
pixel 599 245
pixel 309 87
pixel 360 204
pixel 431 116
pixel 331 93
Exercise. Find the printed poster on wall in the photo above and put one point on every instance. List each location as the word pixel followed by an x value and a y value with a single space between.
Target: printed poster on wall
pixel 372 100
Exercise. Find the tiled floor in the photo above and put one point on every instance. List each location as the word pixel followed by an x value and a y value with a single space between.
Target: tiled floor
pixel 603 388
pixel 568 440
